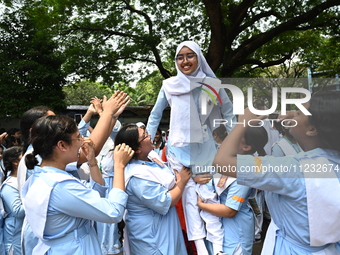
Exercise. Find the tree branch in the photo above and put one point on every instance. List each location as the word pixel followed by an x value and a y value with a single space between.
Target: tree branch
pixel 236 58
pixel 254 43
pixel 257 18
pixel 153 48
pixel 99 30
pixel 261 64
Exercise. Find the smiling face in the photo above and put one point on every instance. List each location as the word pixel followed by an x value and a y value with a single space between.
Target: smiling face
pixel 71 147
pixel 145 144
pixel 77 142
pixel 186 60
pixel 157 137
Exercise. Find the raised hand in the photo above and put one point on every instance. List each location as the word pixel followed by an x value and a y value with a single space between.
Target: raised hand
pixel 3 137
pixel 118 99
pixel 248 115
pixel 96 105
pixel 122 108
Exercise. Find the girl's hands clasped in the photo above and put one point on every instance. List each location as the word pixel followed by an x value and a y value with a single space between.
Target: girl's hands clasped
pixel 122 154
pixel 88 150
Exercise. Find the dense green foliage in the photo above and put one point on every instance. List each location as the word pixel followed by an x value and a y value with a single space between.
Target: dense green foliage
pixel 81 93
pixel 30 67
pixel 106 40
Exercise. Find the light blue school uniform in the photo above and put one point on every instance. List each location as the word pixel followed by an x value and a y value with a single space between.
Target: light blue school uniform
pixel 152 226
pixel 28 239
pixel 158 150
pixel 238 230
pixel 83 128
pixel 108 232
pixel 72 168
pixel 71 209
pixel 2 247
pixel 194 154
pixel 15 216
pixel 285 193
pixel 279 148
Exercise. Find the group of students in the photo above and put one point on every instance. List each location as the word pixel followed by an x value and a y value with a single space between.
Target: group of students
pixel 61 214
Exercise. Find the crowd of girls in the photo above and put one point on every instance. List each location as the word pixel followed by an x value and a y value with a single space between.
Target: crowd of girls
pixel 128 202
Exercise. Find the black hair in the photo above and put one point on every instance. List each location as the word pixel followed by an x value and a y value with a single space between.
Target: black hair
pixel 46 132
pixel 278 126
pixel 257 138
pixel 221 132
pixel 12 131
pixel 121 226
pixel 2 130
pixel 325 109
pixel 11 155
pixel 159 130
pixel 129 135
pixel 12 141
pixel 27 121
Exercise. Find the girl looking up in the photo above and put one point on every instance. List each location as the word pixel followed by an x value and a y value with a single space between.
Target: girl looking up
pixel 236 216
pixel 304 214
pixel 59 208
pixel 152 223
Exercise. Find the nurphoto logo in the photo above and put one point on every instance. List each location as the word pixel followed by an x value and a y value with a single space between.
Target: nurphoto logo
pixel 211 86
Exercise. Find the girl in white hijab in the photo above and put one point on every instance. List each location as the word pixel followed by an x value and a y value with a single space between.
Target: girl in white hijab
pixel 191 143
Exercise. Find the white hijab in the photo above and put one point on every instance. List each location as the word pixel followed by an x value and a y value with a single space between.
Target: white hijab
pixel 183 107
pixel 180 84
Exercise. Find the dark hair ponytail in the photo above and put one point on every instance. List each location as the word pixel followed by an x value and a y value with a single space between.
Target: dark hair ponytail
pixel 257 138
pixel 261 152
pixel 11 155
pixel 31 161
pixel 27 120
pixel 46 132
